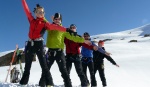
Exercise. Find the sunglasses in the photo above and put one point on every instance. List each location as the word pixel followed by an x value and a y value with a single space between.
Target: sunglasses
pixel 86 36
pixel 57 19
pixel 73 27
pixel 40 12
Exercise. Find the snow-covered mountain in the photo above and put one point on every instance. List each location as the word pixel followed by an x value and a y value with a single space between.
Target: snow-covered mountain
pixel 136 32
pixel 133 58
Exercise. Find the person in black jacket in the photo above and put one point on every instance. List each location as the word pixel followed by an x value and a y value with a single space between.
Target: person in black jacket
pixel 98 59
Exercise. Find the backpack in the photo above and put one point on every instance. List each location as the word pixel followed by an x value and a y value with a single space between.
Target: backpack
pixel 14 75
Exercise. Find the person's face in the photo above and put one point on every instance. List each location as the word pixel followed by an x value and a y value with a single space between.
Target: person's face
pixel 86 37
pixel 57 21
pixel 73 28
pixel 101 44
pixel 40 13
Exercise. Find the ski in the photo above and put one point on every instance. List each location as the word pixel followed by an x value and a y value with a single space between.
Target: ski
pixel 19 54
pixel 12 60
pixel 21 67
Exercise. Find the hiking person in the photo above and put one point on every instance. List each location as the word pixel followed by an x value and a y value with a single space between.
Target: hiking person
pixel 87 59
pixel 34 45
pixel 55 44
pixel 98 59
pixel 73 55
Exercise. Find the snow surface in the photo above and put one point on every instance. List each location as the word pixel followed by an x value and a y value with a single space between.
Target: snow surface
pixel 133 59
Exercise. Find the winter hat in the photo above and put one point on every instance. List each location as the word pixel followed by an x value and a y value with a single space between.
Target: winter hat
pixel 86 33
pixel 73 25
pixel 58 15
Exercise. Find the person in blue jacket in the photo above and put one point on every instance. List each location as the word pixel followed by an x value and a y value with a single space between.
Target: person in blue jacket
pixel 87 60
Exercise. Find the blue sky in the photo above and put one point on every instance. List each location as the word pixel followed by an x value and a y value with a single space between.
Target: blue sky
pixel 93 16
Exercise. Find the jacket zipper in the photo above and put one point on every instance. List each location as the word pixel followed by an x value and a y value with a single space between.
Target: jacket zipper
pixel 35 28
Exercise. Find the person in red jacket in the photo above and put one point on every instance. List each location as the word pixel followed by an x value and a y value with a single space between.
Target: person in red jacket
pixel 34 45
pixel 73 55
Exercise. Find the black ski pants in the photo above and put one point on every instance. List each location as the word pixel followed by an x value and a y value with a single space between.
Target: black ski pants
pixel 58 55
pixel 35 48
pixel 100 68
pixel 78 66
pixel 88 63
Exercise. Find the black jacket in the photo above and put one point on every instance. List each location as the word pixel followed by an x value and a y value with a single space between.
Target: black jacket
pixel 98 57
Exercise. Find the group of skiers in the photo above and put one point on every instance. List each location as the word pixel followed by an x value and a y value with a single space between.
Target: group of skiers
pixel 57 38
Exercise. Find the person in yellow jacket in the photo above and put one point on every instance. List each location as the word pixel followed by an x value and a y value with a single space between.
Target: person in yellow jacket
pixel 55 44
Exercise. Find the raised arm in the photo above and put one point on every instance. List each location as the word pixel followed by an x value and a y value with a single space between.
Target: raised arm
pixel 99 48
pixel 90 47
pixel 27 11
pixel 75 38
pixel 111 60
pixel 50 26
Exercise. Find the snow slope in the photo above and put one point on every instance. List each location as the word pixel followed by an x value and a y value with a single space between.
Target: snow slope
pixel 133 59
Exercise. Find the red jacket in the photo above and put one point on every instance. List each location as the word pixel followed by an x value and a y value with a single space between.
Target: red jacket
pixel 37 25
pixel 73 47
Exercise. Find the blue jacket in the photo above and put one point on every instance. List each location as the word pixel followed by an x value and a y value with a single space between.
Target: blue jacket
pixel 89 53
pixel 86 52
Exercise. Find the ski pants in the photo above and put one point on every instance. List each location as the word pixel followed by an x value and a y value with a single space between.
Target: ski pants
pixel 100 68
pixel 58 55
pixel 31 49
pixel 89 63
pixel 78 66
